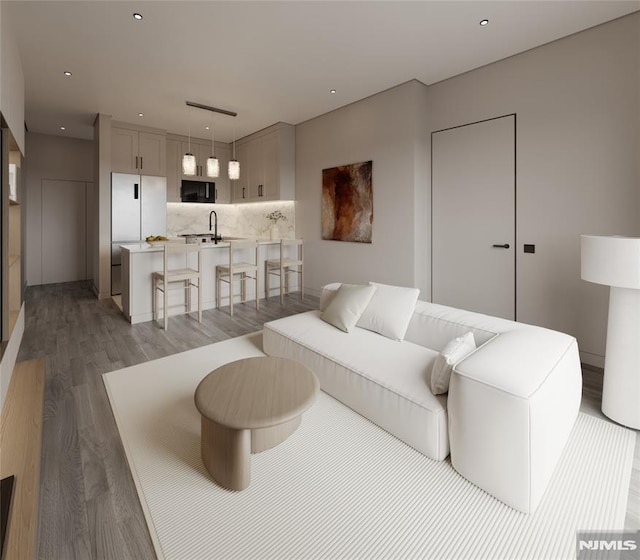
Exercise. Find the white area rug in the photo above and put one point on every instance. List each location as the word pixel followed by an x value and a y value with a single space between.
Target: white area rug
pixel 340 487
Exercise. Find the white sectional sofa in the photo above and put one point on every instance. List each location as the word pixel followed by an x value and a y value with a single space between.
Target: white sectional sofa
pixel 511 403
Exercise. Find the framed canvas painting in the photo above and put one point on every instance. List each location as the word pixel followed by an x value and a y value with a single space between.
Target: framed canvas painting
pixel 347 202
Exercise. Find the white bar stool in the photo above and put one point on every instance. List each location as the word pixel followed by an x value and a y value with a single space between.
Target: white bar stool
pixel 226 273
pixel 284 265
pixel 185 278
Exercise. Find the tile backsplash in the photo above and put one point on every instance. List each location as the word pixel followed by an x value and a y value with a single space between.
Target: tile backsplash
pixel 235 220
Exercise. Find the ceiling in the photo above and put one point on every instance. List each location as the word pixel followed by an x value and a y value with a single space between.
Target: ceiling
pixel 268 61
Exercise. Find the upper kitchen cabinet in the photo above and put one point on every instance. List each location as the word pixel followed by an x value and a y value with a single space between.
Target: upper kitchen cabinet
pixel 138 151
pixel 174 170
pixel 267 165
pixel 223 185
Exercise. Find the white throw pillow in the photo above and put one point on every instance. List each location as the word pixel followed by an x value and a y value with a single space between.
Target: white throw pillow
pixel 327 294
pixel 451 354
pixel 347 305
pixel 389 310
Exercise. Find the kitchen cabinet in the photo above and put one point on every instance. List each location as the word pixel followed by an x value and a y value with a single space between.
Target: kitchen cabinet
pixel 223 185
pixel 267 165
pixel 138 151
pixel 174 170
pixel 241 185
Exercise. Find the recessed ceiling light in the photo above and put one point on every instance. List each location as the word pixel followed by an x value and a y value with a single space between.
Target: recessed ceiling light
pixel 62 128
pixel 206 128
pixel 484 22
pixel 67 73
pixel 141 114
pixel 137 16
pixel 332 91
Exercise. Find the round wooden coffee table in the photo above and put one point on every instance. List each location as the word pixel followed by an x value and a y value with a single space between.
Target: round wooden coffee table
pixel 249 406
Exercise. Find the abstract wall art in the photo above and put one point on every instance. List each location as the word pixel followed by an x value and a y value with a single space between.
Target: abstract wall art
pixel 347 202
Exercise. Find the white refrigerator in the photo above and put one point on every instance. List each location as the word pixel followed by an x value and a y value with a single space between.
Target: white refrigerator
pixel 138 209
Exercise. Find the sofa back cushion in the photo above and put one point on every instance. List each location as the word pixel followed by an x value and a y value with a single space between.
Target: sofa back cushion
pixel 434 325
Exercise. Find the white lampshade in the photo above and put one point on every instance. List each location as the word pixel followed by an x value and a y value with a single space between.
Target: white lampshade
pixel 188 164
pixel 234 170
pixel 613 260
pixel 213 167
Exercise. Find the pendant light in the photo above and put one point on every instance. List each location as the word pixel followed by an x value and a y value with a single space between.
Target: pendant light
pixel 234 164
pixel 213 165
pixel 188 159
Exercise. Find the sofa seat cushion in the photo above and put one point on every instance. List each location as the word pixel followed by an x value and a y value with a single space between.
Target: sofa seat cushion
pixel 386 381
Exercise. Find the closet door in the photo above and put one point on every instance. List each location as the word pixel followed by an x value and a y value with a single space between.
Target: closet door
pixel 473 217
pixel 64 231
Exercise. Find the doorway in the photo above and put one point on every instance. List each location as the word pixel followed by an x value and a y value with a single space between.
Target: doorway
pixel 64 231
pixel 473 217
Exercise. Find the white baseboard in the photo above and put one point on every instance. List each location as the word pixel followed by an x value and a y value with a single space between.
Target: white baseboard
pixel 592 359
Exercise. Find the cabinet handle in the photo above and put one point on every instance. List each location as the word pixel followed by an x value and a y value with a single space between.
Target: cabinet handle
pixel 505 246
pixel 259 190
pixel 140 162
pixel 206 188
pixel 136 162
pixel 135 191
pixel 242 192
pixel 216 194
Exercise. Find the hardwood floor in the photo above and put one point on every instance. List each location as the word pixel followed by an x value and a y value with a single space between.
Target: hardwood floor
pixel 88 503
pixel 89 508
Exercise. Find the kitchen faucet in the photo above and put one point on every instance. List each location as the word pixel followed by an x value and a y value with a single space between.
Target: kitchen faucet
pixel 215 231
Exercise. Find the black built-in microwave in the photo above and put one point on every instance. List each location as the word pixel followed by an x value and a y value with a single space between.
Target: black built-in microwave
pixel 198 191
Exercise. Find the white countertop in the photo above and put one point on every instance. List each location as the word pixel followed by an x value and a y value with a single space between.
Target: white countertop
pixel 144 247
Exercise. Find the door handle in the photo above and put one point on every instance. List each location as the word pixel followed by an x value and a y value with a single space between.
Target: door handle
pixel 504 246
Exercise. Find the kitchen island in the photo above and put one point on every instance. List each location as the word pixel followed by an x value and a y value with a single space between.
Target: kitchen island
pixel 140 260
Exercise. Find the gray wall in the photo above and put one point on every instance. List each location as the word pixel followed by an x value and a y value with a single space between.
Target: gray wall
pixel 577 102
pixel 59 158
pixel 577 105
pixel 11 81
pixel 383 128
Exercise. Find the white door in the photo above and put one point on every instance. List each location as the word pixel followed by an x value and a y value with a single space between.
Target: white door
pixel 473 217
pixel 64 231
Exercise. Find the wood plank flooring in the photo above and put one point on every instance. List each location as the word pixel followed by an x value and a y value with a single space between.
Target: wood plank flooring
pixel 89 508
pixel 20 442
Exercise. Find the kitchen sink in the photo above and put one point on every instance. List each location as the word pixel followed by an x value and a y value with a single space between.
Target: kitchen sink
pixel 207 237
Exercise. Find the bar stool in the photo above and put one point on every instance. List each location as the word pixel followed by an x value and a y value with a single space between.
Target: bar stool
pixel 226 273
pixel 182 278
pixel 285 264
